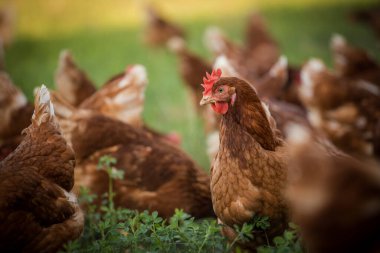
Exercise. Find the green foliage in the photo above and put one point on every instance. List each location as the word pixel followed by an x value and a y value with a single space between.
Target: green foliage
pixel 107 163
pixel 120 229
pixel 289 242
pixel 261 223
pixel 110 229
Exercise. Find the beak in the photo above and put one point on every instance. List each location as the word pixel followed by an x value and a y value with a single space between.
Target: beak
pixel 207 100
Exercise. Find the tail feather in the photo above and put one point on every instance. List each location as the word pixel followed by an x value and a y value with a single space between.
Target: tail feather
pixel 71 81
pixel 337 42
pixel 43 107
pixel 63 109
pixel 309 71
pixel 214 40
pixel 177 44
pixel 65 59
pixel 123 98
pixel 225 65
pixel 280 67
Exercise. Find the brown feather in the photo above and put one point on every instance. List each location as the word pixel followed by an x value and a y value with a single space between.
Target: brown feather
pixel 37 210
pixel 249 172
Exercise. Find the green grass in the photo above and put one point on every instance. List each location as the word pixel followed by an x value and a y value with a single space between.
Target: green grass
pixel 302 31
pixel 110 229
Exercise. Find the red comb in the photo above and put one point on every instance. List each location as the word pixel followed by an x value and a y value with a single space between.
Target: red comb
pixel 209 80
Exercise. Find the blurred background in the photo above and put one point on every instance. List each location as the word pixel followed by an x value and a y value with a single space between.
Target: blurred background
pixel 105 36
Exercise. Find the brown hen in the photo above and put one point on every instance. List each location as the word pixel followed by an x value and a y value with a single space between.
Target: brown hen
pixel 334 198
pixel 370 16
pixel 271 85
pixel 72 82
pixel 7 25
pixel 191 67
pixel 354 62
pixel 37 211
pixel 122 97
pixel 249 172
pixel 159 30
pixel 252 60
pixel 257 33
pixel 158 175
pixel 346 110
pixel 270 89
pixel 15 114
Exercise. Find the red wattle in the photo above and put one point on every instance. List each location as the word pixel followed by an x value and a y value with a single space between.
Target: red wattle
pixel 220 107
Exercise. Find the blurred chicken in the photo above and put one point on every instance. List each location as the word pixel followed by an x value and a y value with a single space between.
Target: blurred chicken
pixel 15 114
pixel 159 30
pixel 346 110
pixel 333 198
pixel 248 175
pixel 354 62
pixel 158 176
pixel 191 67
pixel 122 98
pixel 71 82
pixel 256 60
pixel 37 211
pixel 257 33
pixel 7 25
pixel 271 85
pixel 371 16
pixel 2 56
pixel 252 60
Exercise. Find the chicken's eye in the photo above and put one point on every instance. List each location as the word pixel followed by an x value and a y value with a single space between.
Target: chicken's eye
pixel 220 90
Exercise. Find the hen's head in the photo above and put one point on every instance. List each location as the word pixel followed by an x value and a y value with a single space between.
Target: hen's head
pixel 218 92
pixel 223 92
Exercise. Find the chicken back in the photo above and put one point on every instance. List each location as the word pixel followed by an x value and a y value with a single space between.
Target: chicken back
pixel 38 212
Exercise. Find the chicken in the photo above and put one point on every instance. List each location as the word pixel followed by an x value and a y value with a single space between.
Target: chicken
pixel 122 98
pixel 15 114
pixel 2 56
pixel 252 60
pixel 270 89
pixel 72 82
pixel 290 89
pixel 257 33
pixel 191 67
pixel 346 110
pixel 218 43
pixel 38 212
pixel 334 198
pixel 354 62
pixel 159 30
pixel 248 175
pixel 371 16
pixel 260 45
pixel 270 84
pixel 158 176
pixel 7 24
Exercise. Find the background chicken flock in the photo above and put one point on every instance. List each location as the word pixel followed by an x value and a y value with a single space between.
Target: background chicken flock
pixel 296 143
